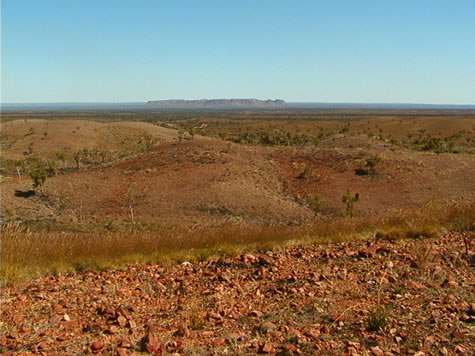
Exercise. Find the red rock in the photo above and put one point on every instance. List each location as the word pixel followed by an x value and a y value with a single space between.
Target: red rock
pixel 182 331
pixel 213 315
pixel 150 343
pixel 125 344
pixel 254 344
pixel 121 321
pixel 267 326
pixel 266 348
pixel 120 351
pixel 452 283
pixel 219 341
pixel 42 346
pixel 58 308
pixel 97 345
pixel 55 319
pixel 206 333
pixel 122 311
pixel 314 334
pixel 25 329
pixel 416 285
pixel 248 257
pixel 256 313
pixel 377 351
pixel 459 349
pixel 290 348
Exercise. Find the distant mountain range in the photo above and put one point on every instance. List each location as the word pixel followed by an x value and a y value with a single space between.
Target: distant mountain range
pixel 209 103
pixel 224 104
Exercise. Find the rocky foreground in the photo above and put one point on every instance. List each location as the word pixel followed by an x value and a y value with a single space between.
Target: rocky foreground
pixel 372 297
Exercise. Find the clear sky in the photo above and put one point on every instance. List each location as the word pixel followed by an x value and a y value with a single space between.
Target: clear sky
pixel 407 51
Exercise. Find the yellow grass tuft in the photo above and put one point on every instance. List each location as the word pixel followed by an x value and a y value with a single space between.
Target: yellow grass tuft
pixel 26 255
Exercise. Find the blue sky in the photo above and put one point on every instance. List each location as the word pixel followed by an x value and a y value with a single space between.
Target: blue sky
pixel 414 51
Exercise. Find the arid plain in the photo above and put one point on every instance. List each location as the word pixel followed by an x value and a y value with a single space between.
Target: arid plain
pixel 238 232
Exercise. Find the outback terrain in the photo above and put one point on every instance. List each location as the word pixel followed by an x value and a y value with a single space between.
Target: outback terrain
pixel 371 297
pixel 238 232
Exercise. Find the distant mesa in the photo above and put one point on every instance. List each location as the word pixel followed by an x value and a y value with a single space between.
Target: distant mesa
pixel 205 103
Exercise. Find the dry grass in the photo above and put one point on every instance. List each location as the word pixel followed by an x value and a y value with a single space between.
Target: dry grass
pixel 26 255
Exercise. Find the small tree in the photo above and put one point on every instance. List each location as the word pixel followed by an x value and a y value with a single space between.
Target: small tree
pixel 349 199
pixel 62 157
pixel 372 162
pixel 180 135
pixel 131 199
pixel 38 175
pixel 19 165
pixel 77 156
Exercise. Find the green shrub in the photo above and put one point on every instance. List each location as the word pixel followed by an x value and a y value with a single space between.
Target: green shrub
pixel 38 175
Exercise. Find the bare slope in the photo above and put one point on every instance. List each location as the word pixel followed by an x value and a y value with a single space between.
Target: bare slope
pixel 44 138
pixel 204 182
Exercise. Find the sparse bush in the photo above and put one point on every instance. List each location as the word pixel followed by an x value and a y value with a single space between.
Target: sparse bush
pixel 349 199
pixel 316 203
pixel 390 235
pixel 304 173
pixel 38 175
pixel 146 141
pixel 78 156
pixel 372 162
pixel 377 319
pixel 62 157
pixel 51 168
pixel 423 232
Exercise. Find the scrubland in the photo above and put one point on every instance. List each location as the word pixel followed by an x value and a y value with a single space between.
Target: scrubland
pixel 279 232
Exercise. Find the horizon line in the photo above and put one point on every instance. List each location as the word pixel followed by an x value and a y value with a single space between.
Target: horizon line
pixel 289 102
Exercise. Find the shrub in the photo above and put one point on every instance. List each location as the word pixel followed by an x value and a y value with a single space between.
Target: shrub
pixel 38 175
pixel 349 199
pixel 316 203
pixel 372 162
pixel 304 173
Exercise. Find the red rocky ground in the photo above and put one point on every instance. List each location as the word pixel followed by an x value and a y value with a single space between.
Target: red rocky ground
pixel 318 299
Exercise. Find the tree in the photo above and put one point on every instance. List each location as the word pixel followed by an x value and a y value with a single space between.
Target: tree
pixel 349 199
pixel 372 162
pixel 19 165
pixel 38 175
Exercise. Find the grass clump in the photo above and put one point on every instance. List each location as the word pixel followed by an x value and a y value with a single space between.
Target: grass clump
pixel 26 254
pixel 377 319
